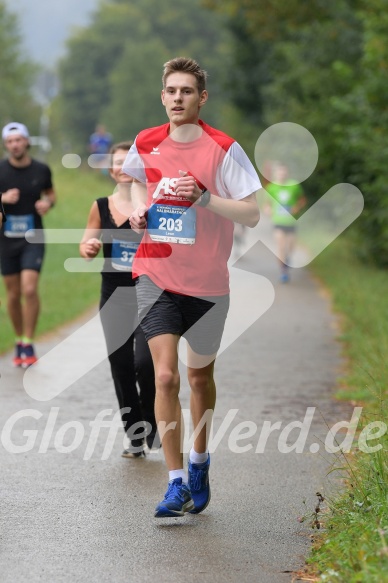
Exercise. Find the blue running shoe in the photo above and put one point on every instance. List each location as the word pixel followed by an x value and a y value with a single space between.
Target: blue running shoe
pixel 284 277
pixel 18 358
pixel 199 485
pixel 28 355
pixel 177 500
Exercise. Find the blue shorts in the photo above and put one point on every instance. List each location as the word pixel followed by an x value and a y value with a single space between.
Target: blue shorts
pixel 200 321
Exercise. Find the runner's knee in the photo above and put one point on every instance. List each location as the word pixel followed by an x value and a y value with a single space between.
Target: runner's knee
pixel 167 382
pixel 30 292
pixel 200 381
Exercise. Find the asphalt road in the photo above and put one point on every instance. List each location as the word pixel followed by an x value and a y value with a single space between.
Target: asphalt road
pixel 73 510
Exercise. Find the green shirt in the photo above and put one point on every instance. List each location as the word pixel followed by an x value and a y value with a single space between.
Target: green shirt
pixel 283 198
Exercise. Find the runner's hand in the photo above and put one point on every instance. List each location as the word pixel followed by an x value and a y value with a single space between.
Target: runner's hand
pixel 138 219
pixel 187 186
pixel 92 247
pixel 11 196
pixel 42 206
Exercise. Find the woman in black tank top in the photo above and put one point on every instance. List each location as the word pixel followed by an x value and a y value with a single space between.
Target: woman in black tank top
pixel 129 356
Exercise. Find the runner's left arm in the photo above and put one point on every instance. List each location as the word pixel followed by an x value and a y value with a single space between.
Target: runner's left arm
pixel 244 210
pixel 90 243
pixel 237 184
pixel 138 219
pixel 46 202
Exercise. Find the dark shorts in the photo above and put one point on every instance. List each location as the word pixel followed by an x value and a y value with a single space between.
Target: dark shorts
pixel 21 255
pixel 200 321
pixel 285 228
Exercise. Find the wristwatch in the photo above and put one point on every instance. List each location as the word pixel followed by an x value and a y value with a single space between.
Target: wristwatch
pixel 204 199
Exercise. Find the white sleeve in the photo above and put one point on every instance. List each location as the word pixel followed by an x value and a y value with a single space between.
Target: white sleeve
pixel 133 165
pixel 236 176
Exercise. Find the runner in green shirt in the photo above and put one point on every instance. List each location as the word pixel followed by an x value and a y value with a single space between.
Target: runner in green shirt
pixel 287 199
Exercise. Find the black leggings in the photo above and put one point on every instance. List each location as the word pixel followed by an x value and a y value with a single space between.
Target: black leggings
pixel 130 359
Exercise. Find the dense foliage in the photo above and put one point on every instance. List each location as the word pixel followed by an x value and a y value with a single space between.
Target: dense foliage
pixel 17 74
pixel 112 72
pixel 323 65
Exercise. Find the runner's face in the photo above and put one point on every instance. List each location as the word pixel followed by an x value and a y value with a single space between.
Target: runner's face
pixel 182 100
pixel 16 146
pixel 116 171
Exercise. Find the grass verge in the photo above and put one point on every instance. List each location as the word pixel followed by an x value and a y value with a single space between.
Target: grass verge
pixel 353 545
pixel 64 295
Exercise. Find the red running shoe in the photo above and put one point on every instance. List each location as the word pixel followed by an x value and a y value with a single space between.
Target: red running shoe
pixel 28 355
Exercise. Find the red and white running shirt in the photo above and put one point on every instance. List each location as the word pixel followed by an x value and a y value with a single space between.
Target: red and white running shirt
pixel 185 248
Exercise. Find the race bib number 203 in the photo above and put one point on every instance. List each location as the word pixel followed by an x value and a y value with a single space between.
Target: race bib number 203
pixel 172 223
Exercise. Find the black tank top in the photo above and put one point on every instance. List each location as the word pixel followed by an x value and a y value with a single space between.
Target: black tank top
pixel 119 245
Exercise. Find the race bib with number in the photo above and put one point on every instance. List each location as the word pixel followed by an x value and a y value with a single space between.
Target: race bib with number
pixel 172 223
pixel 18 225
pixel 123 253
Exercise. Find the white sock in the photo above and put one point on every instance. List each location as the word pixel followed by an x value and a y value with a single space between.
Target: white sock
pixel 198 458
pixel 173 474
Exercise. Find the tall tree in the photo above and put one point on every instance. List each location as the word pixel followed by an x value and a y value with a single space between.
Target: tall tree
pixel 113 67
pixel 17 74
pixel 366 134
pixel 84 73
pixel 135 95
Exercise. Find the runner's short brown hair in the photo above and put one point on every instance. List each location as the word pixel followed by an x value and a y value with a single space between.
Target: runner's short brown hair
pixel 183 65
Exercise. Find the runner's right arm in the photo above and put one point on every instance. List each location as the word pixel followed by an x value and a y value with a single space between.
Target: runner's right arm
pixel 90 242
pixel 138 219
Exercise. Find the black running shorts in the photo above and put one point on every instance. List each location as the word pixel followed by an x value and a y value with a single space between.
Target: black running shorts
pixel 20 255
pixel 200 321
